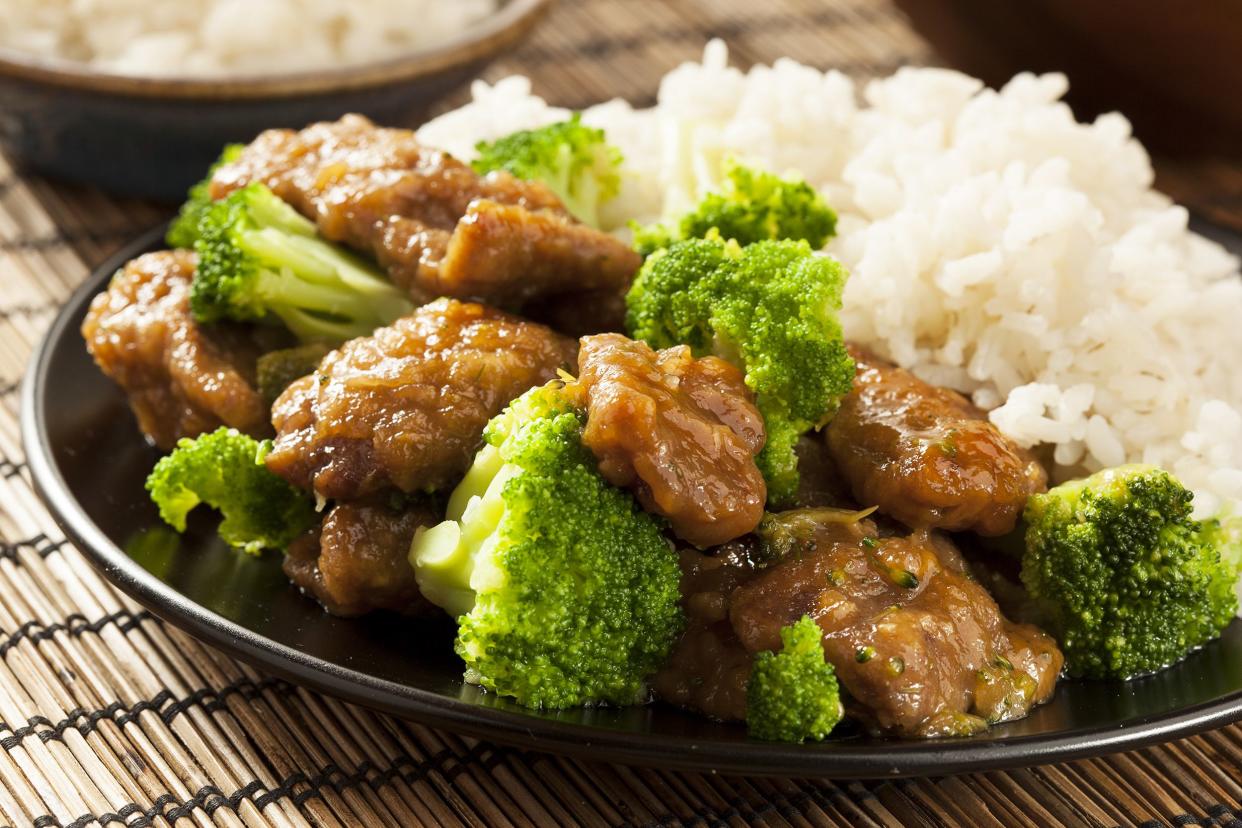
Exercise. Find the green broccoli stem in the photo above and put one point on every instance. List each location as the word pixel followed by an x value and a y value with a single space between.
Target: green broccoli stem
pixel 439 550
pixel 259 258
pixel 582 196
pixel 285 286
pixel 306 274
pixel 273 213
pixel 310 328
pixel 487 464
pixel 441 555
pixel 559 176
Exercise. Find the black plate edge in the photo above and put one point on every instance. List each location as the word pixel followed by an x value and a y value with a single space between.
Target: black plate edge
pixel 936 757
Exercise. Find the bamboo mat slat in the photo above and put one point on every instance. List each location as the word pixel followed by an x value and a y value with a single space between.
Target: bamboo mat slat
pixel 109 716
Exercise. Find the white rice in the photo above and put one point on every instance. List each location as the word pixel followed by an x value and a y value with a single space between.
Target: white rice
pixel 995 245
pixel 230 37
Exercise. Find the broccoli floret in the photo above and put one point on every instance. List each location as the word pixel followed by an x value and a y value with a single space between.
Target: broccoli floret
pixel 225 470
pixel 566 592
pixel 574 160
pixel 1123 576
pixel 183 231
pixel 1224 534
pixel 793 694
pixel 754 206
pixel 277 370
pixel 258 258
pixel 771 309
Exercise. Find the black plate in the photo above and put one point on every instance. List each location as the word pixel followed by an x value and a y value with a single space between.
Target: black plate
pixel 89 462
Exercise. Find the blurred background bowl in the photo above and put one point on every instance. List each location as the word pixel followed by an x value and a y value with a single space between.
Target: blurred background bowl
pixel 1173 68
pixel 154 137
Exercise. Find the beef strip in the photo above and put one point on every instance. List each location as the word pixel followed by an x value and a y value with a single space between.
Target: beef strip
pixel 508 254
pixel 921 647
pixel 439 228
pixel 357 561
pixel 182 378
pixel 681 432
pixel 926 456
pixel 406 406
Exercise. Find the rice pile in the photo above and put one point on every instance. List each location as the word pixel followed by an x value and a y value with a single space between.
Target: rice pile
pixel 996 245
pixel 222 37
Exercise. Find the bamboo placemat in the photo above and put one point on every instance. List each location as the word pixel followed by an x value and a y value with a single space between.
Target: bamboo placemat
pixel 109 716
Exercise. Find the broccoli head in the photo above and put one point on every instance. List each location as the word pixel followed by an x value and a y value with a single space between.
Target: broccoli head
pixel 259 258
pixel 753 206
pixel 1123 576
pixel 574 160
pixel 277 370
pixel 793 694
pixel 565 591
pixel 1224 533
pixel 183 231
pixel 771 309
pixel 225 470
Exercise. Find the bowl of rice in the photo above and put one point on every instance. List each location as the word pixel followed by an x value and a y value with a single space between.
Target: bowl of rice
pixel 137 97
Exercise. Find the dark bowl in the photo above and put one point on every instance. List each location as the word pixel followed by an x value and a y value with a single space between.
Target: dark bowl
pixel 154 137
pixel 1172 68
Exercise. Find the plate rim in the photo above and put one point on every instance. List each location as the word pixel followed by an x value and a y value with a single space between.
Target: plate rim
pixel 839 760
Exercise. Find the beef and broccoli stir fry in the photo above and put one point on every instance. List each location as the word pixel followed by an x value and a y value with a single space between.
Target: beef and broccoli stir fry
pixel 437 227
pixel 630 469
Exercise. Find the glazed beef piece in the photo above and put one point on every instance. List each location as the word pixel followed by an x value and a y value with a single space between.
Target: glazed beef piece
pixel 926 456
pixel 406 406
pixel 357 561
pixel 182 379
pixel 435 225
pixel 508 255
pixel 682 433
pixel 708 668
pixel 919 645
